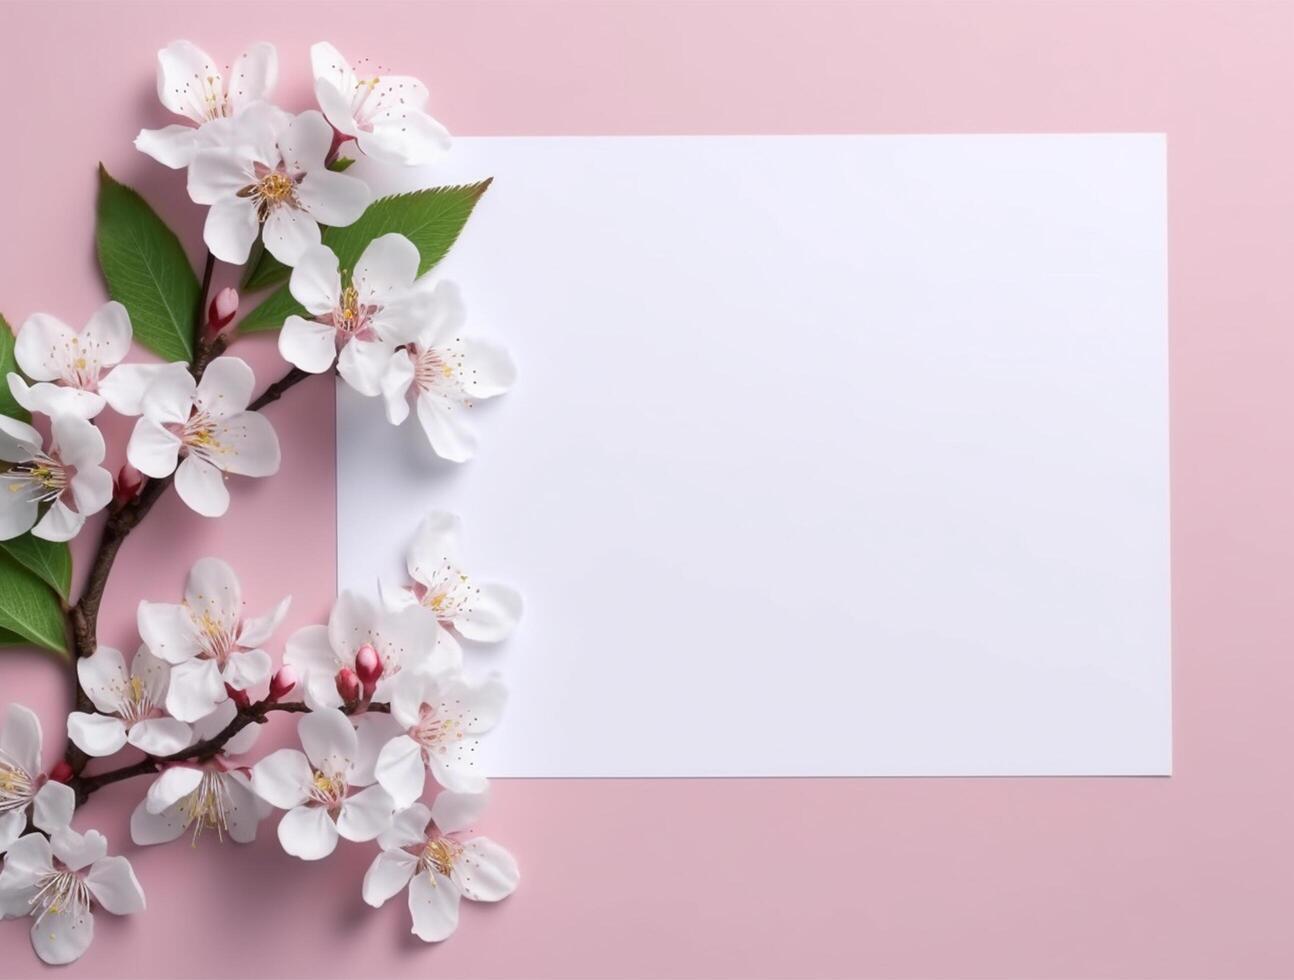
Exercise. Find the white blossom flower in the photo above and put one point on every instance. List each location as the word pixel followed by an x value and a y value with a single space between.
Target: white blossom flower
pixel 441 715
pixel 485 612
pixel 212 794
pixel 384 114
pixel 67 477
pixel 69 367
pixel 357 324
pixel 130 705
pixel 203 427
pixel 315 787
pixel 58 881
pixel 274 180
pixel 22 784
pixel 443 372
pixel 207 641
pixel 426 850
pixel 190 85
pixel 408 638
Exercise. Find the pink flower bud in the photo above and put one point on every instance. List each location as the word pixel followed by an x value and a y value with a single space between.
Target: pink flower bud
pixel 223 309
pixel 348 685
pixel 127 485
pixel 283 681
pixel 368 665
pixel 62 772
pixel 240 698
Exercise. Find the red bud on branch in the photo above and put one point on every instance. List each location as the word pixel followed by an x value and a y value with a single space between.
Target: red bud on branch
pixel 221 311
pixel 348 685
pixel 283 681
pixel 240 698
pixel 368 667
pixel 62 772
pixel 127 485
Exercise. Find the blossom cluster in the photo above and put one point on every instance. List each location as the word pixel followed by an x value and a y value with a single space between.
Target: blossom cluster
pixel 388 718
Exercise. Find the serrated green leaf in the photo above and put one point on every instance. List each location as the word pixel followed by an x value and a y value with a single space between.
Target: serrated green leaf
pixel 29 608
pixel 50 560
pixel 431 219
pixel 146 270
pixel 8 406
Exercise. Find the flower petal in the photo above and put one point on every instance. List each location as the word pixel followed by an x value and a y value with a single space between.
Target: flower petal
pixel 445 428
pixel 226 387
pixel 387 876
pixel 53 806
pixel 201 486
pixel 156 828
pixel 412 138
pixel 400 770
pixel 328 63
pixel 243 810
pixel 173 785
pixel 248 669
pixel 315 282
pixel 26 861
pixel 250 444
pixel 172 146
pixel 455 812
pixel 60 523
pixel 20 738
pixel 259 629
pixel 437 543
pixel 336 106
pixel 91 490
pixel 395 386
pixel 282 778
pixel 167 630
pixel 159 736
pixel 79 443
pixel 18 440
pixel 75 850
pixel 18 513
pixel 43 347
pixel 308 832
pixel 352 623
pixel 231 227
pixel 12 825
pixel 362 363
pixel 387 267
pixel 329 741
pixel 373 730
pixel 106 337
pixel 113 884
pixel 492 615
pixel 152 449
pixel 289 232
pixel 365 814
pixel 104 678
pixel 186 78
pixel 486 872
pixel 123 387
pixel 254 75
pixel 196 688
pixel 488 369
pixel 433 904
pixel 96 735
pixel 408 829
pixel 305 142
pixel 308 344
pixel 55 399
pixel 213 594
pixel 62 937
pixel 332 198
pixel 218 174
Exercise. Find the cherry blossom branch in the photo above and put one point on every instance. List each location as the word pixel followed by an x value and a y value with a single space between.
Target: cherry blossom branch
pixel 256 713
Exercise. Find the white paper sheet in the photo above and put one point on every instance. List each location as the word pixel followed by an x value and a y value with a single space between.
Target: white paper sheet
pixel 836 455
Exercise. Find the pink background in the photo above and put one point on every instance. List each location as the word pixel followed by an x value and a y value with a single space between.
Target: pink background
pixel 1183 877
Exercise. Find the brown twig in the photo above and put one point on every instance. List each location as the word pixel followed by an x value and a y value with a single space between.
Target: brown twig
pixel 205 749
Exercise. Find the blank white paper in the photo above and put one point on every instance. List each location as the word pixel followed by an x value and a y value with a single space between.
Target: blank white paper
pixel 829 455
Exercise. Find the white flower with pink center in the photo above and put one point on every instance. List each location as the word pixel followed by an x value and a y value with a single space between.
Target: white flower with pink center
pixel 357 318
pixel 64 481
pixel 441 716
pixel 207 641
pixel 211 795
pixel 201 430
pixel 317 787
pixel 23 787
pixel 190 85
pixel 384 114
pixel 428 851
pixel 130 705
pixel 443 373
pixel 273 181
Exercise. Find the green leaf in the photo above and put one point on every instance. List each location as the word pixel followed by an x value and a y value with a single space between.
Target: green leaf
pixel 10 639
pixel 50 560
pixel 431 219
pixel 341 164
pixel 263 270
pixel 146 271
pixel 29 608
pixel 8 406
